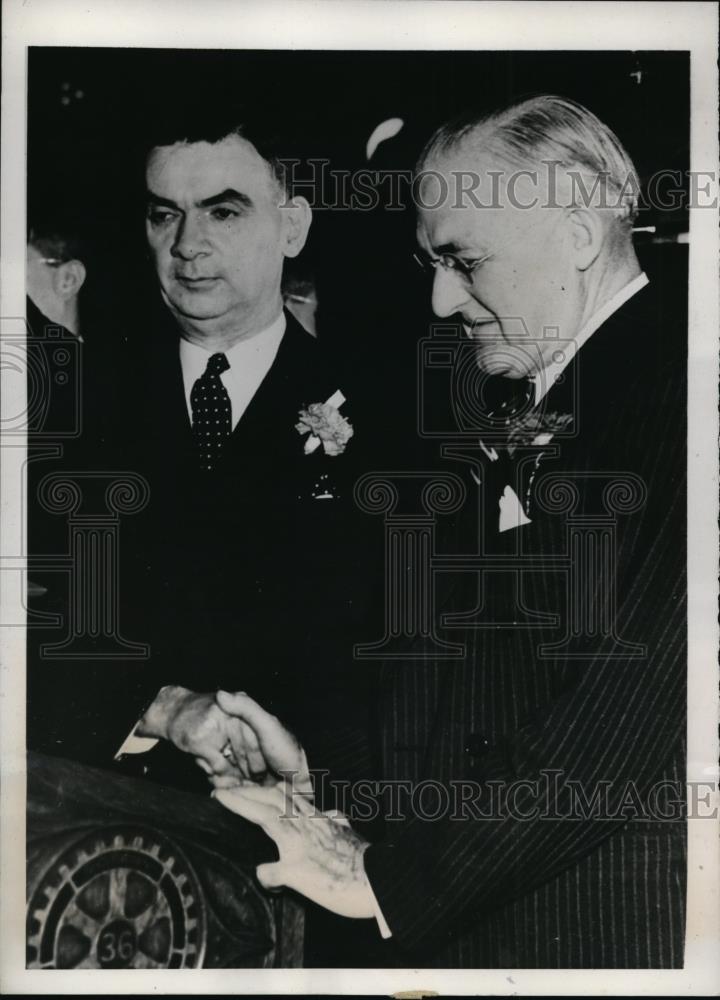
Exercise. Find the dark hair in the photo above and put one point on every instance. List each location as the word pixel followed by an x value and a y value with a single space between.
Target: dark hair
pixel 57 239
pixel 208 122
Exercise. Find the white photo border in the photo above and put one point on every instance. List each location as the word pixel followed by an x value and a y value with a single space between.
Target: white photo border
pixel 412 24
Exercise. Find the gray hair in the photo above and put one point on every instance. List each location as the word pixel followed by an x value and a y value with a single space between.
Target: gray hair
pixel 548 129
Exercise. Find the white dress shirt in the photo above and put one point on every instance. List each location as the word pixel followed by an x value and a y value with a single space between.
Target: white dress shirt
pixel 250 360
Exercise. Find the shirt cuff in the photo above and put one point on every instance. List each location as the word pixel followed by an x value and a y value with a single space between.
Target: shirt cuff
pixel 135 744
pixel 377 913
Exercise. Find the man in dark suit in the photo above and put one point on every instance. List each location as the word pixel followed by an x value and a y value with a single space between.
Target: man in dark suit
pixel 55 314
pixel 554 747
pixel 231 413
pixel 55 276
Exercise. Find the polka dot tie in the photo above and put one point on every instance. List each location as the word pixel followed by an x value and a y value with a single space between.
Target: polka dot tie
pixel 211 412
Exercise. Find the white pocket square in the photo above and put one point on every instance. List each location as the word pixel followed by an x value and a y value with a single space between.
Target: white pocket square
pixel 512 514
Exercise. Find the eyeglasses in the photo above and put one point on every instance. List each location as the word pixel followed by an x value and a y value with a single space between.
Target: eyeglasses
pixel 450 262
pixel 301 298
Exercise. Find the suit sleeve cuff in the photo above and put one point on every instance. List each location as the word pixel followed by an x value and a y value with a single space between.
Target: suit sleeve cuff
pixel 377 913
pixel 135 744
pixel 153 715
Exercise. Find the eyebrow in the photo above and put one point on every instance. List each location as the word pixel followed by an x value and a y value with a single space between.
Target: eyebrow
pixel 455 248
pixel 447 248
pixel 229 194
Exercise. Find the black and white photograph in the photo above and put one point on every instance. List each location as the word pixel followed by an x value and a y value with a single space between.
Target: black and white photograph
pixel 359 498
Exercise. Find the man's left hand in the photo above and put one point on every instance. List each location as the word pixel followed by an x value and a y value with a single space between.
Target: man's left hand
pixel 321 857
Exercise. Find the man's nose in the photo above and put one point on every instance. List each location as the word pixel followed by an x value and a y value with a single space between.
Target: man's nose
pixel 449 292
pixel 189 240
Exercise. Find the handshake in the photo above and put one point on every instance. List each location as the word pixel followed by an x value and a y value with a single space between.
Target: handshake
pixel 259 771
pixel 232 738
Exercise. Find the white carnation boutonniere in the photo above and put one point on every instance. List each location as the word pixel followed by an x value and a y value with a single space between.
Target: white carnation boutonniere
pixel 325 425
pixel 536 429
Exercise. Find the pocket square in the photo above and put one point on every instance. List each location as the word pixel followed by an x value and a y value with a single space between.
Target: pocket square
pixel 512 514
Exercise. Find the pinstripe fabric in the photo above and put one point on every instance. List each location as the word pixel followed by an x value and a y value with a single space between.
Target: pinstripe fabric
pixel 557 893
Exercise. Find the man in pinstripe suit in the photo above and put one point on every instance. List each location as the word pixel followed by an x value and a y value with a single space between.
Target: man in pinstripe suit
pixel 565 846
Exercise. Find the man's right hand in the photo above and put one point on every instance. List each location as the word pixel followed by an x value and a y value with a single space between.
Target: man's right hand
pixel 283 756
pixel 223 745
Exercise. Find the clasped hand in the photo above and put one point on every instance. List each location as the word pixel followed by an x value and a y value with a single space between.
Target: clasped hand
pixel 266 780
pixel 220 732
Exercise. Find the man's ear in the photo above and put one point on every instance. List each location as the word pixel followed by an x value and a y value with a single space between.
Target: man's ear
pixel 69 279
pixel 297 216
pixel 587 233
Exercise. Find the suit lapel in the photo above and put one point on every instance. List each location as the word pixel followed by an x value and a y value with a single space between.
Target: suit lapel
pixel 165 391
pixel 619 354
pixel 296 378
pixel 622 351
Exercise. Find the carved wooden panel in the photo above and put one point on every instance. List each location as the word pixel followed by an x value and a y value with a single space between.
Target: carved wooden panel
pixel 157 879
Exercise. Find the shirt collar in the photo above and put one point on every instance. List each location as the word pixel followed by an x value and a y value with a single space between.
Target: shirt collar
pixel 194 357
pixel 545 379
pixel 250 360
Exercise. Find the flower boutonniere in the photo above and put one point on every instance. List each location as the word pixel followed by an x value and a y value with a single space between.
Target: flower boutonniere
pixel 325 425
pixel 535 429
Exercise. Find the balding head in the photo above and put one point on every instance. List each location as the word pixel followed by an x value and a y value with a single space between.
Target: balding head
pixel 577 159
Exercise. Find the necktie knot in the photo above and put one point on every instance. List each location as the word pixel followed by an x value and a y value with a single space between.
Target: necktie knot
pixel 505 398
pixel 217 364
